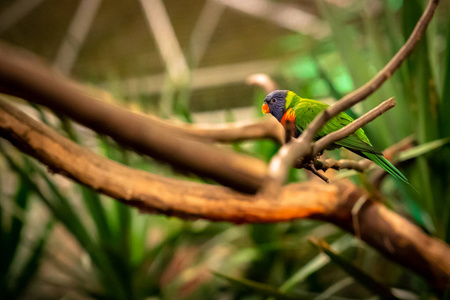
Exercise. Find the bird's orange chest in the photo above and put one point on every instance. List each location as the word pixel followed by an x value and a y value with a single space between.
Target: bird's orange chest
pixel 289 115
pixel 288 122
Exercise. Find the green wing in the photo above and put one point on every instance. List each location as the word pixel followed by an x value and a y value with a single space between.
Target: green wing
pixel 306 110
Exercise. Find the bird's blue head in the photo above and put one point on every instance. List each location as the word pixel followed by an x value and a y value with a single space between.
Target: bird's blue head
pixel 275 103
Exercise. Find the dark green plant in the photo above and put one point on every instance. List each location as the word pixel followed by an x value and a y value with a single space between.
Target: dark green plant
pixel 20 256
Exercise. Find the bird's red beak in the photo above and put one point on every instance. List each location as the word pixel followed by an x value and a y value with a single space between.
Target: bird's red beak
pixel 265 108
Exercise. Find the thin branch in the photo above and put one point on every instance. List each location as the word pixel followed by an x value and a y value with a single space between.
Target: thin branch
pixel 341 164
pixel 403 145
pixel 311 167
pixel 262 80
pixel 368 117
pixel 358 165
pixel 392 235
pixel 301 147
pixel 266 128
pixel 362 164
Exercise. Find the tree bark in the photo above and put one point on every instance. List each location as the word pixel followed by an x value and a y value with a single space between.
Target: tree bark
pixel 389 233
pixel 22 76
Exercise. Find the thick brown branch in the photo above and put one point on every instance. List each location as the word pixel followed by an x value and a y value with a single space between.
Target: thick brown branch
pixel 384 230
pixel 368 117
pixel 25 78
pixel 31 65
pixel 302 146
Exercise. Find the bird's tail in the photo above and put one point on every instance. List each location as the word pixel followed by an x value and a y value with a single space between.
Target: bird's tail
pixel 386 165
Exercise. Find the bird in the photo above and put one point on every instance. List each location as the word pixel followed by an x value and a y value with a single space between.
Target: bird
pixel 289 108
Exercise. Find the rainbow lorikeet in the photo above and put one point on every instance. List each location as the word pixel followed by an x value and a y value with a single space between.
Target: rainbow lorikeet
pixel 286 105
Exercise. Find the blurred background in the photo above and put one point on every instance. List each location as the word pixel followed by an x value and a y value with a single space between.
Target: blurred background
pixel 189 61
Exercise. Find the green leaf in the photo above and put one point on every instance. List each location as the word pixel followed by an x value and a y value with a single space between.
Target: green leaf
pixel 270 290
pixel 444 109
pixel 63 209
pixel 264 289
pixel 98 213
pixel 31 266
pixel 421 149
pixel 333 289
pixel 316 263
pixel 359 275
pixel 14 235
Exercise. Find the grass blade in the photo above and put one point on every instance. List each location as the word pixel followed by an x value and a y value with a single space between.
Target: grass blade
pixel 421 149
pixel 316 263
pixel 333 289
pixel 31 266
pixel 444 109
pixel 359 275
pixel 264 289
pixel 14 235
pixel 98 213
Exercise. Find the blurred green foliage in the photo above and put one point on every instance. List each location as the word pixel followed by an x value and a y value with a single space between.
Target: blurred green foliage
pixel 126 255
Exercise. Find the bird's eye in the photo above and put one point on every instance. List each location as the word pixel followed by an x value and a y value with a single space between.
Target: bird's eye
pixel 273 100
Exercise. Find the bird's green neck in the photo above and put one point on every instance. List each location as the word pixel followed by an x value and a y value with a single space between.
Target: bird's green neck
pixel 291 99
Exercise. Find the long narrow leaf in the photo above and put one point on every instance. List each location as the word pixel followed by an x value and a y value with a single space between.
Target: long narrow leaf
pixel 14 235
pixel 31 266
pixel 421 149
pixel 338 286
pixel 444 109
pixel 97 212
pixel 272 291
pixel 359 275
pixel 264 289
pixel 316 263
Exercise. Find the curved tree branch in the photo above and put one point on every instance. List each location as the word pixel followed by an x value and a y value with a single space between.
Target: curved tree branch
pixel 18 69
pixel 303 145
pixel 263 81
pixel 21 76
pixel 267 128
pixel 392 235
